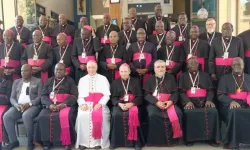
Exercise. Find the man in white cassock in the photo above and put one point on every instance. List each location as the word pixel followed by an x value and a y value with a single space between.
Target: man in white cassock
pixel 93 119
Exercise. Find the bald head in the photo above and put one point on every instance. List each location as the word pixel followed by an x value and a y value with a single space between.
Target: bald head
pixel 106 19
pixel 113 37
pixel 60 70
pixel 8 36
pixel 132 13
pixel 37 36
pixel 19 21
pixel 61 39
pixel 158 11
pixel 62 19
pixel 42 21
pixel 194 32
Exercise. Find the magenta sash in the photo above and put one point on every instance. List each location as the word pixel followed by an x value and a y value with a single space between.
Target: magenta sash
pixel 177 43
pixel 133 122
pixel 198 93
pixel 47 39
pixel 247 53
pixel 24 45
pixel 64 120
pixel 171 65
pixel 68 69
pixel 96 115
pixel 2 109
pixel 86 59
pixel 12 64
pixel 154 32
pixel 69 39
pixel 38 63
pixel 245 96
pixel 201 62
pixel 117 60
pixel 173 117
pixel 105 42
pixel 223 62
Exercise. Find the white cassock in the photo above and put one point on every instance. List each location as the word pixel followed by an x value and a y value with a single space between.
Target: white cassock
pixel 94 84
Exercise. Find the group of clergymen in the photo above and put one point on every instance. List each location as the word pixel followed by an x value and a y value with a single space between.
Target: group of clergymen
pixel 170 82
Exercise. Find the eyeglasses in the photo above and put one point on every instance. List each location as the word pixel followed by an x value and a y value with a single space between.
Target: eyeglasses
pixel 210 24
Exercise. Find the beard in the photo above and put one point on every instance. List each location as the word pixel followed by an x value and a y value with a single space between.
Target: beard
pixel 160 74
pixel 210 30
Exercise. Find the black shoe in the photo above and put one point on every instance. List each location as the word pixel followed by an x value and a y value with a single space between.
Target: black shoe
pixel 213 144
pixel 82 147
pixel 189 143
pixel 12 145
pixel 46 148
pixel 97 147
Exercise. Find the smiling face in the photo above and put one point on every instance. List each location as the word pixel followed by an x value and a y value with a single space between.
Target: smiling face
pixel 237 65
pixel 59 71
pixel 132 13
pixel 182 19
pixel 193 65
pixel 37 36
pixel 194 32
pixel 127 24
pixel 26 71
pixel 159 27
pixel 158 11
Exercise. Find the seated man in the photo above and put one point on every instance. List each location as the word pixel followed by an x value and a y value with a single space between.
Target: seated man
pixel 233 93
pixel 164 117
pixel 5 91
pixel 93 118
pixel 55 124
pixel 126 96
pixel 201 117
pixel 25 99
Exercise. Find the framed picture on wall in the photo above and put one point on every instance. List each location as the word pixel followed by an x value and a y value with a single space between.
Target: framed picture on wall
pixel 114 1
pixel 81 7
pixel 54 16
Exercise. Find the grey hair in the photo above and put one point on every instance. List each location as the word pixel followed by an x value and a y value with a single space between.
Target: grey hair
pixel 159 21
pixel 159 62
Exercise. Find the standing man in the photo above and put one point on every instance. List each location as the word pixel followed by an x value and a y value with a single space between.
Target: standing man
pixel 104 30
pixel 127 35
pixel 126 97
pixel 172 54
pixel 83 52
pixel 158 17
pixel 182 28
pixel 197 98
pixel 64 27
pixel 55 123
pixel 39 55
pixel 194 47
pixel 158 39
pixel 25 99
pixel 44 28
pixel 21 33
pixel 164 117
pixel 233 94
pixel 10 55
pixel 93 118
pixel 142 55
pixel 210 34
pixel 222 52
pixel 62 53
pixel 111 57
pixel 83 22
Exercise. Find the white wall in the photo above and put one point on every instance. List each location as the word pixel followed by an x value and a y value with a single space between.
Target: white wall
pixel 58 6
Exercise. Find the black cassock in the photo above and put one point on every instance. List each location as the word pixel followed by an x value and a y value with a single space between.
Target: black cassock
pixel 209 37
pixel 1 35
pixel 46 31
pixel 181 30
pixel 136 24
pixel 63 55
pixel 200 123
pixel 103 30
pixel 14 59
pixel 200 51
pixel 120 119
pixel 245 36
pixel 175 55
pixel 159 40
pixel 69 30
pixel 48 128
pixel 219 65
pixel 5 92
pixel 120 56
pixel 77 57
pixel 151 24
pixel 126 37
pixel 24 35
pixel 237 119
pixel 44 54
pixel 160 129
pixel 150 56
pixel 78 33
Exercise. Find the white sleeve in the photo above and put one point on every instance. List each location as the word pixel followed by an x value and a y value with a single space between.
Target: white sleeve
pixel 106 92
pixel 80 99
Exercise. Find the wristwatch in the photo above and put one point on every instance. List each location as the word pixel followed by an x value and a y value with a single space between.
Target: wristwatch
pixel 30 104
